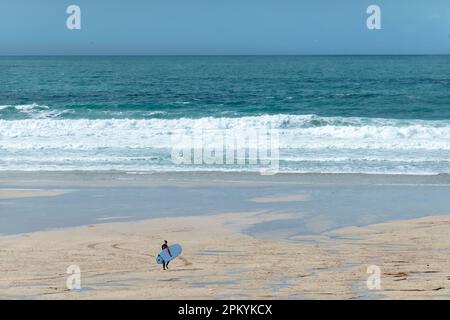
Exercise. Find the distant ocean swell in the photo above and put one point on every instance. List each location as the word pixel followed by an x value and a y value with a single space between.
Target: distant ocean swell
pixel 308 143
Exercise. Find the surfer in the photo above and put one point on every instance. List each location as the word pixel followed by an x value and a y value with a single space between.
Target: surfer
pixel 165 246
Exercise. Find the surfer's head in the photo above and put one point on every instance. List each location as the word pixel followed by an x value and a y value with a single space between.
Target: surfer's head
pixel 165 241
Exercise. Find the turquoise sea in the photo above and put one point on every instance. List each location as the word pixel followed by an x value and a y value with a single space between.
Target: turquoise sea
pixel 366 114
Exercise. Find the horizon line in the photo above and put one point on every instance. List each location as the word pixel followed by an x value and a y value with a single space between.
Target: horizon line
pixel 222 55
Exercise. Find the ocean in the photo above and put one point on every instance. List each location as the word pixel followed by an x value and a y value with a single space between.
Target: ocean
pixel 334 114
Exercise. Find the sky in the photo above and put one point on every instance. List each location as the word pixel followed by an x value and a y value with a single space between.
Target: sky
pixel 191 27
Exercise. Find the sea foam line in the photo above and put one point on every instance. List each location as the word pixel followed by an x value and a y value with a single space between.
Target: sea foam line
pixel 296 132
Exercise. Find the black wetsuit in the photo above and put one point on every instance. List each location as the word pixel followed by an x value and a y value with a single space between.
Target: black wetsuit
pixel 164 247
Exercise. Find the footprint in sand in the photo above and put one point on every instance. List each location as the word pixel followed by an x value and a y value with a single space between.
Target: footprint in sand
pixel 93 245
pixel 116 246
pixel 186 261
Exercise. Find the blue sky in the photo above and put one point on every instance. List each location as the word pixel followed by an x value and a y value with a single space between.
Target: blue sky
pixel 224 27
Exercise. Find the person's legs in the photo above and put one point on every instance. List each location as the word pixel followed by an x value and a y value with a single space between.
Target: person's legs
pixel 167 264
pixel 164 265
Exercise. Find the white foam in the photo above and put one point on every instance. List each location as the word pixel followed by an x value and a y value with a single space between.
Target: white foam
pixel 296 132
pixel 303 138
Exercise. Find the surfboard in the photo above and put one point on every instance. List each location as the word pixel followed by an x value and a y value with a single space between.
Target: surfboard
pixel 175 250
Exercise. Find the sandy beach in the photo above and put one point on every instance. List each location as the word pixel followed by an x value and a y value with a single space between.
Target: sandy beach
pixel 280 245
pixel 218 262
pixel 29 193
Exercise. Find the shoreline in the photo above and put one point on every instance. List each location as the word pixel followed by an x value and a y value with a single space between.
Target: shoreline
pixel 317 202
pixel 124 177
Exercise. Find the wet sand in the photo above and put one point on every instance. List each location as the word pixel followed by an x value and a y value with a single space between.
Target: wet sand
pixel 317 202
pixel 29 193
pixel 283 198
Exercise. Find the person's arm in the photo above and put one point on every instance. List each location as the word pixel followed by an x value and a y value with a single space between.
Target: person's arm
pixel 168 250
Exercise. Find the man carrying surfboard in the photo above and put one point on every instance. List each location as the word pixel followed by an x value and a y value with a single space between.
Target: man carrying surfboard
pixel 168 254
pixel 165 246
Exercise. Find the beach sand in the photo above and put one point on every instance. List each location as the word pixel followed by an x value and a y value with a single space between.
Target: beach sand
pixel 117 261
pixel 283 198
pixel 29 193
